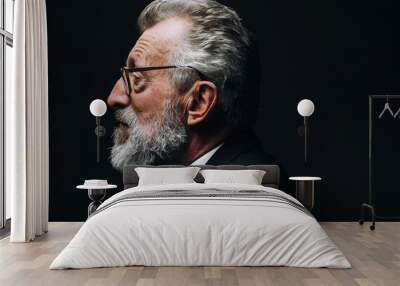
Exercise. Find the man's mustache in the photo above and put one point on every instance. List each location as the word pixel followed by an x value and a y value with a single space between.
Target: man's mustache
pixel 125 117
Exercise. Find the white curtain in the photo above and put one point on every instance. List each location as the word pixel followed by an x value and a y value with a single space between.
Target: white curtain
pixel 27 171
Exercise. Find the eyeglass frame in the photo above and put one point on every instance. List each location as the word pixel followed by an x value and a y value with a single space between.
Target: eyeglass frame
pixel 126 70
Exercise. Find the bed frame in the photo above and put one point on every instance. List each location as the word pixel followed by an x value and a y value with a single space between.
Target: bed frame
pixel 271 177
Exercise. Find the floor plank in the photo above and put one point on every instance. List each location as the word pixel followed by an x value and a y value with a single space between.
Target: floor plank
pixel 375 257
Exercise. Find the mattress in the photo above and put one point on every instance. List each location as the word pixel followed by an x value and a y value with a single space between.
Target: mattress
pixel 201 225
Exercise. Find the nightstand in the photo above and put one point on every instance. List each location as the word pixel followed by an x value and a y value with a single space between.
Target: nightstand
pixel 96 191
pixel 305 190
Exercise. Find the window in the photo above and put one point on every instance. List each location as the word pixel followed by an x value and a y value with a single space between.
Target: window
pixel 6 62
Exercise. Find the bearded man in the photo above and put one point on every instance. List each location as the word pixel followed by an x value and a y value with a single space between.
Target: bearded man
pixel 185 95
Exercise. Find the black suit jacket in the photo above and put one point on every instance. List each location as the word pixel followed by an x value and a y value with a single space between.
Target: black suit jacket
pixel 241 148
pixel 244 148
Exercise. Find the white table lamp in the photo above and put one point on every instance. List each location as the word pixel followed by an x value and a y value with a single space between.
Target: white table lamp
pixel 98 108
pixel 305 108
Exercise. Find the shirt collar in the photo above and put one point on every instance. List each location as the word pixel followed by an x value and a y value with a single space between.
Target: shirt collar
pixel 207 156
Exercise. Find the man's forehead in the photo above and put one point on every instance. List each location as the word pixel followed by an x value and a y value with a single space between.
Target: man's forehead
pixel 148 52
pixel 144 47
pixel 157 42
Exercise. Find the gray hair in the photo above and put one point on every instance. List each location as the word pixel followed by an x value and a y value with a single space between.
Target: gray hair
pixel 217 46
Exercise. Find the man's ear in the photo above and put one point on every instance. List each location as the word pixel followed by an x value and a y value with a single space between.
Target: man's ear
pixel 200 101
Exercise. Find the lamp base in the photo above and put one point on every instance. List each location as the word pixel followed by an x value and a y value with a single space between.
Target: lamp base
pixel 100 131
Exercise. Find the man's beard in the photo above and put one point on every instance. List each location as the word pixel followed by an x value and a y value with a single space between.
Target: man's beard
pixel 156 141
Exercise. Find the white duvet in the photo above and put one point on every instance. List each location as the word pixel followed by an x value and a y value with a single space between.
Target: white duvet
pixel 200 231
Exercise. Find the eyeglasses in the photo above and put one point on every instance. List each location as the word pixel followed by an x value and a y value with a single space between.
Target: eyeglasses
pixel 128 80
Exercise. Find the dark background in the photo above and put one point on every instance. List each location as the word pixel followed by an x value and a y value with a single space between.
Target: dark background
pixel 332 52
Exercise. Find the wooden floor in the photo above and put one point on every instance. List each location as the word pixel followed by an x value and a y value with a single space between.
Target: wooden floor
pixel 375 256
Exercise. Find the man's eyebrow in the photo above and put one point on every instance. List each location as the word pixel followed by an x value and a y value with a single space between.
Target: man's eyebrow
pixel 130 62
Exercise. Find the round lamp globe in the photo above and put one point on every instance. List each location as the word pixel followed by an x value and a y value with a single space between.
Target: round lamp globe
pixel 98 107
pixel 305 107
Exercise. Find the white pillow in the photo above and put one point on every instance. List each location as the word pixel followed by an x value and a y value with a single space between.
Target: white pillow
pixel 162 176
pixel 248 177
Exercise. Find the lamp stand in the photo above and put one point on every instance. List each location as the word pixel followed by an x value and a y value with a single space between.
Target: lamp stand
pixel 99 131
pixel 305 138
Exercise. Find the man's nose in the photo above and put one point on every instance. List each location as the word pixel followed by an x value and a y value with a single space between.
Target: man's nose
pixel 118 97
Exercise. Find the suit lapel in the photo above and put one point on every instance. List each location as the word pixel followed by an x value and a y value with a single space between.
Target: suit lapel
pixel 226 154
pixel 232 148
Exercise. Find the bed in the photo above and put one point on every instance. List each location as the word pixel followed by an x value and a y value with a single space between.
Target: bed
pixel 201 224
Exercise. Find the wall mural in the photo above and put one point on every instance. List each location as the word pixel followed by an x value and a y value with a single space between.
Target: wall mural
pixel 184 91
pixel 226 94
